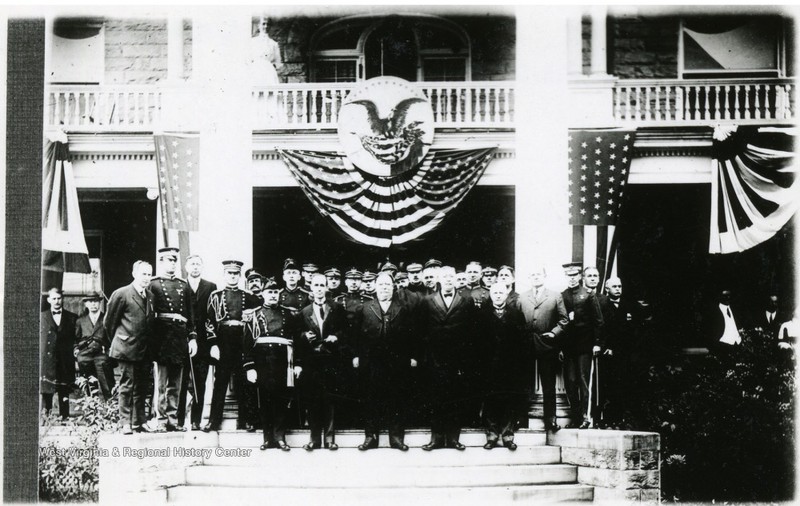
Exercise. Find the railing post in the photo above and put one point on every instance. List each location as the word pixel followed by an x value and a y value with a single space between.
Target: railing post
pixel 680 111
pixel 767 107
pixel 756 102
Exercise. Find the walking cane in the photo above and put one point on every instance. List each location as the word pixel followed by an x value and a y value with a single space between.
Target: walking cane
pixel 597 386
pixel 194 385
pixel 591 388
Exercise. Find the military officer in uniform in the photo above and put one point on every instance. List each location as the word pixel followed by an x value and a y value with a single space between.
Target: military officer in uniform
pixel 430 276
pixel 173 335
pixel 309 269
pixel 390 268
pixel 254 281
pixel 473 271
pixel 91 345
pixel 401 280
pixel 368 283
pixel 333 279
pixel 270 362
pixel 480 294
pixel 225 329
pixel 415 283
pixel 581 340
pixel 57 364
pixel 293 295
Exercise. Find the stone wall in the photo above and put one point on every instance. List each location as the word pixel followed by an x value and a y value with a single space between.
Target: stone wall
pixel 136 51
pixel 621 465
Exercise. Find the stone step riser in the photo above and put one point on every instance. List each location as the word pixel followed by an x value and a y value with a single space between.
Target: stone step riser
pixel 352 440
pixel 415 496
pixel 295 474
pixel 384 457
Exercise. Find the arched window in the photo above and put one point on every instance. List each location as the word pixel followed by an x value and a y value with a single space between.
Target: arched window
pixel 413 47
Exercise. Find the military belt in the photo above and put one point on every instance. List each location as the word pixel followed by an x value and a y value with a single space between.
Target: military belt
pixel 172 316
pixel 231 323
pixel 273 340
pixel 289 354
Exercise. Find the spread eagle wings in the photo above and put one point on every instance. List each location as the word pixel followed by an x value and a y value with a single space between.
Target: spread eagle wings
pixel 397 116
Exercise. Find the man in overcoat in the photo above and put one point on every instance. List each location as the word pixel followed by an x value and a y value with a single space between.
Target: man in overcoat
pixel 57 361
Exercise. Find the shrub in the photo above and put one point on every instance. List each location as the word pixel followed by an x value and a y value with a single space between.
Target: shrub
pixel 726 423
pixel 71 473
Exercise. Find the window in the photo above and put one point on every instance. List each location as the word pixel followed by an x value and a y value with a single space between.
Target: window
pixel 731 47
pixel 336 71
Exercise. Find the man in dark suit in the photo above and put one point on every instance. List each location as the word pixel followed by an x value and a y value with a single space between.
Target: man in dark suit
pixel 769 316
pixel 269 360
pixel 57 361
pixel 91 345
pixel 386 351
pixel 225 336
pixel 126 323
pixel 545 321
pixel 173 335
pixel 506 365
pixel 323 324
pixel 199 292
pixel 582 340
pixel 618 334
pixel 447 321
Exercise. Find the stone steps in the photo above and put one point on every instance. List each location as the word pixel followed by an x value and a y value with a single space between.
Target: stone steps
pixel 191 494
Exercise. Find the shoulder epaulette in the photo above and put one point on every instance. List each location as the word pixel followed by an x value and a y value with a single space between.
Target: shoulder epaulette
pixel 218 290
pixel 367 296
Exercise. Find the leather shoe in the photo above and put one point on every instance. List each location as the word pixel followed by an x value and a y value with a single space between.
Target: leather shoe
pixel 175 428
pixel 332 446
pixel 283 446
pixel 143 429
pixel 368 444
pixel 127 430
pixel 311 446
pixel 211 427
pixel 265 445
pixel 511 445
pixel 490 444
pixel 195 426
pixel 250 427
pixel 584 425
pixel 431 446
pixel 399 446
pixel 458 446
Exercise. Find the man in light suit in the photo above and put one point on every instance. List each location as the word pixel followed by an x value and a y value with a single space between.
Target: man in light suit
pixel 545 321
pixel 126 323
pixel 91 345
pixel 448 320
pixel 57 363
pixel 323 325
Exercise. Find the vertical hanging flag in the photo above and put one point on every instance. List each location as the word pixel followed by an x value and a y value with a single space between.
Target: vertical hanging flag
pixel 598 165
pixel 63 244
pixel 177 162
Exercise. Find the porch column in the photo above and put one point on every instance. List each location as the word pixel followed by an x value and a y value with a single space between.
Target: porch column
pixel 542 233
pixel 226 202
pixel 599 14
pixel 575 42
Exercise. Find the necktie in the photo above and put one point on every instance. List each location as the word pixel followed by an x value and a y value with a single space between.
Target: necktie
pixel 321 308
pixel 56 312
pixel 729 312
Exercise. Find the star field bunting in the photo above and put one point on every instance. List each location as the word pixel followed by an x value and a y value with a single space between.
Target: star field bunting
pixel 177 162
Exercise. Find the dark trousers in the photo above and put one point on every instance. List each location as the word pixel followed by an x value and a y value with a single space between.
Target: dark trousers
pixel 448 407
pixel 223 373
pixel 576 382
pixel 199 366
pixel 63 392
pixel 98 366
pixel 273 405
pixel 501 412
pixel 548 365
pixel 169 386
pixel 385 404
pixel 133 386
pixel 321 415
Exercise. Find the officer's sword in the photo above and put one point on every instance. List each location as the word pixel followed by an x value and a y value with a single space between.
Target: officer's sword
pixel 194 385
pixel 591 389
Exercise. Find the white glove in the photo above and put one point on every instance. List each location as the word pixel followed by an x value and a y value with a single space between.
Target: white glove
pixel 413 363
pixel 214 352
pixel 355 362
pixel 252 375
pixel 193 347
pixel 331 339
pixel 297 371
pixel 785 346
pixel 596 350
pixel 608 352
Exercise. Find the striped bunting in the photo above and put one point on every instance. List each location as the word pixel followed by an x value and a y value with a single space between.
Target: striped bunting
pixel 382 211
pixel 754 189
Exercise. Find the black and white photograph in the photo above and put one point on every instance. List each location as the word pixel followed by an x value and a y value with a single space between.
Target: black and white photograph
pixel 400 254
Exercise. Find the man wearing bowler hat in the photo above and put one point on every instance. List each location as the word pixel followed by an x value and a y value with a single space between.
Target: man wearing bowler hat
pixel 225 328
pixel 91 345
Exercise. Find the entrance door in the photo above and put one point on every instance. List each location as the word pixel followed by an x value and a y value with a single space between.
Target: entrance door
pixel 391 50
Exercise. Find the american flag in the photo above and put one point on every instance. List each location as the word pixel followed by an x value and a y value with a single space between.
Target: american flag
pixel 598 165
pixel 63 243
pixel 382 211
pixel 177 161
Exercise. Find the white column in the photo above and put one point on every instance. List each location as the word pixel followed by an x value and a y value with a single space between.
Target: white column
pixel 598 48
pixel 221 38
pixel 174 48
pixel 574 42
pixel 542 232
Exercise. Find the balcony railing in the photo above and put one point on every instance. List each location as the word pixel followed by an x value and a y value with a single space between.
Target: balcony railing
pixel 103 108
pixel 661 102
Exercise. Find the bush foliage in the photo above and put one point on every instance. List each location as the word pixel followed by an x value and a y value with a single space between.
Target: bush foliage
pixel 71 473
pixel 726 422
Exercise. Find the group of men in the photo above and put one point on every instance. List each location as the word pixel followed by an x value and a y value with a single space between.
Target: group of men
pixel 461 343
